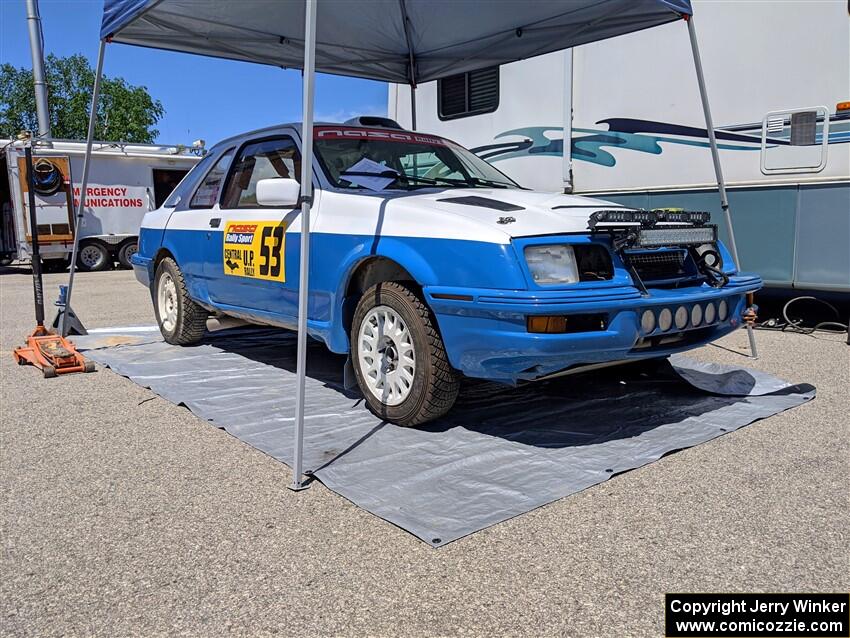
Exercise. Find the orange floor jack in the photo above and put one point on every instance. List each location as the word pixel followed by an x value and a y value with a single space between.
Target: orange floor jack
pixel 50 352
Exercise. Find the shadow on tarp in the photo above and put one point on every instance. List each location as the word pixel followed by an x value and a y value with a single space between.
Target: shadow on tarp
pixel 500 452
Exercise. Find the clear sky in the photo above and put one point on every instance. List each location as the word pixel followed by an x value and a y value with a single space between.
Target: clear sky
pixel 203 97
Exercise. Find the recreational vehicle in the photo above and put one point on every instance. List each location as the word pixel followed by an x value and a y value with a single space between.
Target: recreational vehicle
pixel 778 77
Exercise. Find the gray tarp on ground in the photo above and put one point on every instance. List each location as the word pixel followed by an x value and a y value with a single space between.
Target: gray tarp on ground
pixel 369 39
pixel 499 453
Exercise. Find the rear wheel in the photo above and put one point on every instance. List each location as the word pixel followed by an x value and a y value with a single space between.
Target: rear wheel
pixel 399 359
pixel 126 252
pixel 181 321
pixel 93 256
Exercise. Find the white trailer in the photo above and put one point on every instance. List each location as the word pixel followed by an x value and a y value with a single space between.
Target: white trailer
pixel 778 76
pixel 126 181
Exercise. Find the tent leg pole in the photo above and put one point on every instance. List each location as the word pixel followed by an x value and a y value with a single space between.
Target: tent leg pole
pixel 712 139
pixel 78 214
pixel 715 157
pixel 306 202
pixel 413 107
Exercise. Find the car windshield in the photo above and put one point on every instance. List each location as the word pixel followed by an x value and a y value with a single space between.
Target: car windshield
pixel 388 159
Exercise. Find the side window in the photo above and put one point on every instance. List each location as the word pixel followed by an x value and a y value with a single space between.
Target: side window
pixel 466 94
pixel 207 192
pixel 277 157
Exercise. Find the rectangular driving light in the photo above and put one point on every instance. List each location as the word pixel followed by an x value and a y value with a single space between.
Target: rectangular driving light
pixel 686 236
pixel 555 324
pixel 546 324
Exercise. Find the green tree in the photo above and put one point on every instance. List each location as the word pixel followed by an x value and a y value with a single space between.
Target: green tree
pixel 126 113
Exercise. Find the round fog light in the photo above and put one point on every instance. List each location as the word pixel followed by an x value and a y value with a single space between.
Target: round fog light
pixel 710 312
pixel 647 321
pixel 665 319
pixel 681 317
pixel 724 310
pixel 696 315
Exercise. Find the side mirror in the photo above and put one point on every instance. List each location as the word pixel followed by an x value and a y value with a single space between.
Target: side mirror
pixel 280 191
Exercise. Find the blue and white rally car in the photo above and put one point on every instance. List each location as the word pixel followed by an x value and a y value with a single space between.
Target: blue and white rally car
pixel 428 264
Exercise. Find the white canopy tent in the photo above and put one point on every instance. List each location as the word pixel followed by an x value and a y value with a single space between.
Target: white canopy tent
pixel 409 41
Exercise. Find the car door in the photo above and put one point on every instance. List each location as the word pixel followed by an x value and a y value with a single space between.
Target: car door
pixel 253 266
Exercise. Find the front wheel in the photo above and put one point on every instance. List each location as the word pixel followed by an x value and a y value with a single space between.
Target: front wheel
pixel 399 359
pixel 181 321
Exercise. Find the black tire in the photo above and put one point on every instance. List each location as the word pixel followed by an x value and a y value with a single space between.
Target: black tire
pixel 93 256
pixel 88 366
pixel 49 372
pixel 56 265
pixel 435 383
pixel 189 321
pixel 129 248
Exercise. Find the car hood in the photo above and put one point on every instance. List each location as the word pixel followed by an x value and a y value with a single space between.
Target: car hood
pixel 514 212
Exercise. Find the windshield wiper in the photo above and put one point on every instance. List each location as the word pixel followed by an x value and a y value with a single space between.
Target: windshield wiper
pixel 472 181
pixel 390 173
pixel 430 180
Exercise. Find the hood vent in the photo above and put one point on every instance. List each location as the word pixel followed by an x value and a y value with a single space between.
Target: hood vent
pixel 483 202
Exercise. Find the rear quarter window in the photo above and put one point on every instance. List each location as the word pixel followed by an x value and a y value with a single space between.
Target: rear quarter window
pixel 185 187
pixel 206 195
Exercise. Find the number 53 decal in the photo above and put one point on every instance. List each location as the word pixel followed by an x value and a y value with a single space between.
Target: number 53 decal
pixel 255 249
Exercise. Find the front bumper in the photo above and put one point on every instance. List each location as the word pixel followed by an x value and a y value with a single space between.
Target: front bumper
pixel 485 331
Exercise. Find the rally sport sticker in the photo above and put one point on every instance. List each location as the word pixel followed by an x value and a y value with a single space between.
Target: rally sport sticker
pixel 255 249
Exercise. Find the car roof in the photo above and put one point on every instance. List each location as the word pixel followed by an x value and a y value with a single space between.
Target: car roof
pixel 297 126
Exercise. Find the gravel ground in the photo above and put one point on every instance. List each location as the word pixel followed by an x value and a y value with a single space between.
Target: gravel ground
pixel 123 514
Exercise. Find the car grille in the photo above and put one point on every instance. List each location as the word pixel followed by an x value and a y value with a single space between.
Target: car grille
pixel 659 265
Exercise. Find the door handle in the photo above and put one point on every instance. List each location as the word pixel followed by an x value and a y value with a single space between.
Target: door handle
pixel 214 222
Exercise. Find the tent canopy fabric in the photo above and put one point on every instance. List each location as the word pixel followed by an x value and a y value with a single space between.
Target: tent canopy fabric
pixel 409 41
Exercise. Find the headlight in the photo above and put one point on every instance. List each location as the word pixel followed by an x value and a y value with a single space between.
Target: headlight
pixel 552 264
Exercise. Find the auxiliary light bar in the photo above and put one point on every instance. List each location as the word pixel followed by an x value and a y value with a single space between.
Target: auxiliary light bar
pixel 676 236
pixel 606 218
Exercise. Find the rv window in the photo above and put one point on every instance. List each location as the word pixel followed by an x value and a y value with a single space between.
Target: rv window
pixel 466 94
pixel 803 128
pixel 795 140
pixel 207 193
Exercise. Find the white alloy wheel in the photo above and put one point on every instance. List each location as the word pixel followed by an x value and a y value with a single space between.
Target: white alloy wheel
pixel 386 355
pixel 166 300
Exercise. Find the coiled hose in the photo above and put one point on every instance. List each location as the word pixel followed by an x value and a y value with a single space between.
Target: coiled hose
pixel 796 325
